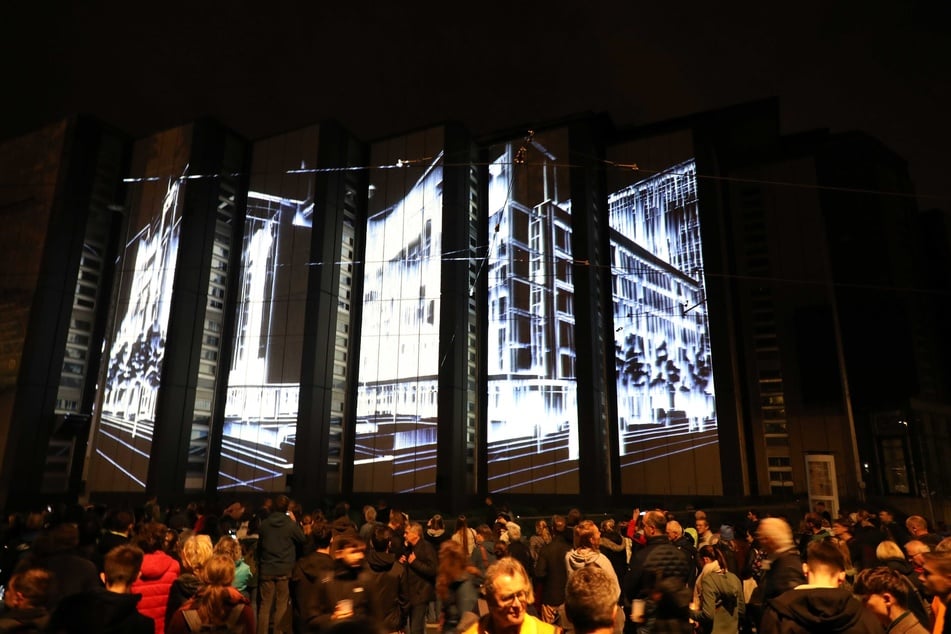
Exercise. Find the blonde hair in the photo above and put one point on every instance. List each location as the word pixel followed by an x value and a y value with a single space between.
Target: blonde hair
pixel 196 551
pixel 889 550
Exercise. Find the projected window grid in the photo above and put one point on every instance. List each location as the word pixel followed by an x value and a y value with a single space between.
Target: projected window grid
pixel 665 388
pixel 397 405
pixel 532 388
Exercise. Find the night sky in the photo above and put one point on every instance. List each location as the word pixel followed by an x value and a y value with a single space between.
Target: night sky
pixel 382 69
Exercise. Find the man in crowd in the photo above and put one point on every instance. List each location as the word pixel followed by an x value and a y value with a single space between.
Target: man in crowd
pixel 885 593
pixel 508 592
pixel 588 602
pixel 820 605
pixel 110 609
pixel 892 529
pixel 550 570
pixel 936 575
pixel 280 537
pixel 309 571
pixel 24 602
pixel 783 564
pixel 918 528
pixel 421 562
pixel 705 536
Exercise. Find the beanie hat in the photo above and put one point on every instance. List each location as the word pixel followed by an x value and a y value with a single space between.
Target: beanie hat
pixel 726 533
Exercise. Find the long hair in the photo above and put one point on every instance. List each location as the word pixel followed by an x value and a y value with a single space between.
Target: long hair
pixel 714 554
pixel 453 562
pixel 212 601
pixel 462 529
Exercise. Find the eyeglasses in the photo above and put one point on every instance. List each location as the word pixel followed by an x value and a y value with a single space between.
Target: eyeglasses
pixel 506 602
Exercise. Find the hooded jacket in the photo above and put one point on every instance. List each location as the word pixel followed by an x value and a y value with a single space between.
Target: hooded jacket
pixel 159 572
pixel 279 539
pixel 178 624
pixel 578 558
pixel 100 611
pixel 309 572
pixel 811 610
pixel 390 589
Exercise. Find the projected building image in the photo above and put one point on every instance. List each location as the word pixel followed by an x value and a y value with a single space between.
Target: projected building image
pixel 665 389
pixel 532 389
pixel 124 434
pixel 395 446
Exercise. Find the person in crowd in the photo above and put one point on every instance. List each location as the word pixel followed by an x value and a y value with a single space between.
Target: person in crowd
pixel 936 575
pixel 842 533
pixel 309 571
pixel 915 550
pixel 613 547
pixel 819 508
pixel 719 604
pixel 893 530
pixel 25 599
pixel 216 605
pixel 551 572
pixel 483 555
pixel 705 536
pixel 55 550
pixel 195 553
pixel 464 535
pixel 157 572
pixel 230 547
pixel 588 604
pixel 821 604
pixel 390 581
pixel 457 586
pixel 369 523
pixel 891 556
pixel 517 547
pixel 658 559
pixel 541 537
pixel 812 530
pixel 113 608
pixel 586 552
pixel 435 534
pixel 280 538
pixel 397 526
pixel 422 563
pixel 885 593
pixel 918 529
pixel 348 593
pixel 118 528
pixel 783 565
pixel 734 550
pixel 508 593
pixel 683 543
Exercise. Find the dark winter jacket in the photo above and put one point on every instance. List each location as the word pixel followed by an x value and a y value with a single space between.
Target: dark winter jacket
pixel 354 584
pixel 810 610
pixel 421 573
pixel 658 558
pixel 309 572
pixel 184 588
pixel 100 611
pixel 390 588
pixel 550 570
pixel 279 540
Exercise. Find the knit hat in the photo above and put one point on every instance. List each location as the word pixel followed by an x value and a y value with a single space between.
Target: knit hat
pixel 726 533
pixel 692 533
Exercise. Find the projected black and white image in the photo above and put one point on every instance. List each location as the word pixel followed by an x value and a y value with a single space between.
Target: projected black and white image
pixel 665 390
pixel 531 409
pixel 395 446
pixel 124 434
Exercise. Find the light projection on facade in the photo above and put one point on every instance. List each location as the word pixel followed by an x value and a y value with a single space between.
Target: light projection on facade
pixel 124 434
pixel 395 445
pixel 261 408
pixel 665 392
pixel 531 408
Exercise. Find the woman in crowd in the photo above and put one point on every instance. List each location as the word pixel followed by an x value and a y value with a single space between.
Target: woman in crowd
pixel 159 571
pixel 230 547
pixel 719 605
pixel 216 605
pixel 464 535
pixel 195 553
pixel 457 586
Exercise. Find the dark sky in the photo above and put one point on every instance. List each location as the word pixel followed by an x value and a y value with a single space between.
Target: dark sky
pixel 383 68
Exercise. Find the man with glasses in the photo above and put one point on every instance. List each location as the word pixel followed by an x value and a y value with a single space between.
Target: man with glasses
pixel 508 593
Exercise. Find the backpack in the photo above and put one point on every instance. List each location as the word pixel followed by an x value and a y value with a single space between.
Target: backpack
pixel 233 625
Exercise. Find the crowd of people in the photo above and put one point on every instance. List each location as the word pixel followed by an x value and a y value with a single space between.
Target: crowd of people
pixel 280 569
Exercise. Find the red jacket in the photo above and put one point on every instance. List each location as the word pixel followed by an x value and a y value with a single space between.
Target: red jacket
pixel 158 572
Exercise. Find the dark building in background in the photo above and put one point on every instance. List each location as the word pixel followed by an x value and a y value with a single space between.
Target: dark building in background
pixel 699 310
pixel 60 202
